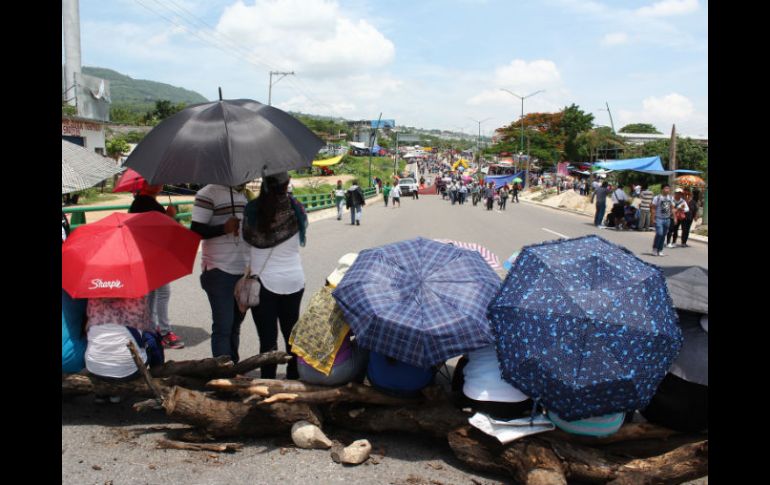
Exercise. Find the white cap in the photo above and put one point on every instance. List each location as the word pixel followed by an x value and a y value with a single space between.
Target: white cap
pixel 343 265
pixel 679 190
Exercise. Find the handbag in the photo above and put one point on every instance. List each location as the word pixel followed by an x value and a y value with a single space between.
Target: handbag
pixel 248 287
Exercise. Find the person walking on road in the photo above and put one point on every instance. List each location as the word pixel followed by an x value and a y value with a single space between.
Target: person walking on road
pixel 475 193
pixel 274 228
pixel 601 204
pixel 662 210
pixel 692 214
pixel 339 198
pixel 224 256
pixel 489 195
pixel 354 200
pixel 677 217
pixel 515 192
pixel 644 208
pixel 146 201
pixel 463 192
pixel 386 192
pixel 503 196
pixel 453 192
pixel 395 193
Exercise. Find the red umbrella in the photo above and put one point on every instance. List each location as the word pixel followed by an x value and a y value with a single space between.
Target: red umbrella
pixel 126 255
pixel 130 181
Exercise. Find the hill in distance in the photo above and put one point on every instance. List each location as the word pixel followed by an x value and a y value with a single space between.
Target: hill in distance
pixel 125 90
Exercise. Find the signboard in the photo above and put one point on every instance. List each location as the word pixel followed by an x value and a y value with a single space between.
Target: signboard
pixel 93 97
pixel 384 124
pixel 74 128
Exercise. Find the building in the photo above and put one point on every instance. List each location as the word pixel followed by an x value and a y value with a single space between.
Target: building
pixel 642 138
pixel 88 133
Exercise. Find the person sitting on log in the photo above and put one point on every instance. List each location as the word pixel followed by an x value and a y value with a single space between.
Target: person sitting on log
pixel 397 378
pixel 112 323
pixel 478 384
pixel 598 426
pixel 73 340
pixel 321 338
pixel 681 401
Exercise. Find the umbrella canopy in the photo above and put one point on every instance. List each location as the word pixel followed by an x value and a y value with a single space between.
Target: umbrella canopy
pixel 82 168
pixel 516 180
pixel 226 142
pixel 585 326
pixel 130 181
pixel 488 255
pixel 126 255
pixel 419 301
pixel 690 181
pixel 688 287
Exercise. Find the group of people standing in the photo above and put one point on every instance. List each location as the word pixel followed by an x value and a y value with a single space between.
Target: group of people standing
pixel 263 234
pixel 665 213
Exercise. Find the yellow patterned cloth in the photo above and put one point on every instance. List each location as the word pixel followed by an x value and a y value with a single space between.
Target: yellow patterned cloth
pixel 319 332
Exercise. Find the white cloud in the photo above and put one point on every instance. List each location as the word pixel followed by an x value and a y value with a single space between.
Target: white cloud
pixel 668 8
pixel 316 37
pixel 522 78
pixel 666 110
pixel 615 38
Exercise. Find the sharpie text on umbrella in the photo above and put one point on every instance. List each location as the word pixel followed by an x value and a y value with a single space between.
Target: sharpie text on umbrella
pixel 97 283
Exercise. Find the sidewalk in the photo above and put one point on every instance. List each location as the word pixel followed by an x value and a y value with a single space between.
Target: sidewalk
pixel 693 237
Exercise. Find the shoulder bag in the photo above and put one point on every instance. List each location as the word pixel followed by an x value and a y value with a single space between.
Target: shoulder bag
pixel 248 287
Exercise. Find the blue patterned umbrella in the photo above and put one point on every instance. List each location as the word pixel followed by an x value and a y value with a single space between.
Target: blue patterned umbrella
pixel 585 326
pixel 419 301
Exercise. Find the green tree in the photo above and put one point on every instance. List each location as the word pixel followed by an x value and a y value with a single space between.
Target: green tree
pixel 163 109
pixel 590 143
pixel 117 147
pixel 574 122
pixel 640 128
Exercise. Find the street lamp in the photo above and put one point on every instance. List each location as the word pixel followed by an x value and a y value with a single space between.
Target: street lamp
pixel 478 142
pixel 522 98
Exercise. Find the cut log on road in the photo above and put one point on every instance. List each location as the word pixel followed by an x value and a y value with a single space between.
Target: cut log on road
pixel 530 459
pixel 233 418
pixel 436 420
pixel 294 391
pixel 245 386
pixel 219 367
pixel 217 447
pixel 81 384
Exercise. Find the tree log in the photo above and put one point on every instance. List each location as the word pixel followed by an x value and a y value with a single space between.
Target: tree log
pixel 232 418
pixel 245 386
pixel 539 457
pixel 436 419
pixel 219 367
pixel 81 384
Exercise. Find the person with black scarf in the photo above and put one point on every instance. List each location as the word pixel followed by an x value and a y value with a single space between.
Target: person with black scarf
pixel 274 226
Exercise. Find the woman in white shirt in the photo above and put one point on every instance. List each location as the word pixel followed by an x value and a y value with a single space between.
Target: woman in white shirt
pixel 274 226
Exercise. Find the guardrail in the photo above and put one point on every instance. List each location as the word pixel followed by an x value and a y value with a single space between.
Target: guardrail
pixel 312 202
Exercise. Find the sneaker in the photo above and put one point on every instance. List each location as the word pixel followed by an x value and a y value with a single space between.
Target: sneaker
pixel 670 245
pixel 661 253
pixel 171 341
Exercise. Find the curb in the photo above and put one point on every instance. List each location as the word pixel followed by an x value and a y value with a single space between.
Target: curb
pixel 693 237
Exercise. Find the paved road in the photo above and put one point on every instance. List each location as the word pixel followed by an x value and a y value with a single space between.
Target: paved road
pixel 103 436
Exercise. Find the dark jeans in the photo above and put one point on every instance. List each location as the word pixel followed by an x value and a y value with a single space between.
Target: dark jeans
pixel 686 225
pixel 274 308
pixel 490 203
pixel 673 231
pixel 516 197
pixel 599 217
pixel 227 318
pixel 503 200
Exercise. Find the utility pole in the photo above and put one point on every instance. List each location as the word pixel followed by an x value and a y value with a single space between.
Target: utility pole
pixel 610 113
pixel 270 90
pixel 478 141
pixel 372 137
pixel 522 98
pixel 672 155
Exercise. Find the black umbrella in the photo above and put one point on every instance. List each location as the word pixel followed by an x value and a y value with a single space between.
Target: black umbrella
pixel 689 287
pixel 225 142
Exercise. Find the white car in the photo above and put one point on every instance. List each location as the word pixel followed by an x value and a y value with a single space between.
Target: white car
pixel 407 186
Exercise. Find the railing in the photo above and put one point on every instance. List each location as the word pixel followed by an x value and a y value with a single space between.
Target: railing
pixel 312 202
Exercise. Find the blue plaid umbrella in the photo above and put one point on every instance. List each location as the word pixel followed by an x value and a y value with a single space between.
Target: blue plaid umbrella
pixel 419 301
pixel 585 326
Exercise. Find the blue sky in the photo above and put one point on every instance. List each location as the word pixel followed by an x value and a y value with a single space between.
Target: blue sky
pixel 425 63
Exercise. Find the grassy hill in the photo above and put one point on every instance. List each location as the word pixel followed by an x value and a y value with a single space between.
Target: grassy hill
pixel 126 90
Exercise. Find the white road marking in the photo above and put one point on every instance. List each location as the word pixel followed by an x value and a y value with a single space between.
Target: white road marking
pixel 554 232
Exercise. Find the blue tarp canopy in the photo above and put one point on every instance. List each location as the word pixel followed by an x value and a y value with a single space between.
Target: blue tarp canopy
pixel 651 165
pixel 501 180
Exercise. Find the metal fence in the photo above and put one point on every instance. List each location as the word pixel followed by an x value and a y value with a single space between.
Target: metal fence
pixel 312 202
